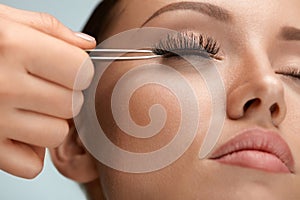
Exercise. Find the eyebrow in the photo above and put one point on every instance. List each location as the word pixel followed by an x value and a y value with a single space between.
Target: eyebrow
pixel 205 8
pixel 290 33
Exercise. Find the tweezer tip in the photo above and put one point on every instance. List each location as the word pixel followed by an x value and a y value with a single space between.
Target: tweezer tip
pixel 110 51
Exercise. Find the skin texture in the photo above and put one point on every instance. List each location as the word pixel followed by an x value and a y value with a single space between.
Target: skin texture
pixel 254 59
pixel 37 86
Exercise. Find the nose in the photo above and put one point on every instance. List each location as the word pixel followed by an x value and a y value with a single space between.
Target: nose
pixel 260 97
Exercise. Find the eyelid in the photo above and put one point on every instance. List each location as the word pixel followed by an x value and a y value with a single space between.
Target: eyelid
pixel 289 71
pixel 188 42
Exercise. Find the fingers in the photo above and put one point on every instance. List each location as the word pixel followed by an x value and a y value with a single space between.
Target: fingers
pixel 46 57
pixel 34 128
pixel 74 64
pixel 22 142
pixel 47 24
pixel 39 151
pixel 20 160
pixel 46 48
pixel 43 71
pixel 40 96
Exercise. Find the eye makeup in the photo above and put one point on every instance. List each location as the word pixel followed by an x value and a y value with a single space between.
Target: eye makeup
pixel 187 43
pixel 291 72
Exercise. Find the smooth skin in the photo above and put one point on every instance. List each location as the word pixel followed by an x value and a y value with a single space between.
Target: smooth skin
pixel 39 62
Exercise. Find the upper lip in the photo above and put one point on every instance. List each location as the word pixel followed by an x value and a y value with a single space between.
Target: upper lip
pixel 259 140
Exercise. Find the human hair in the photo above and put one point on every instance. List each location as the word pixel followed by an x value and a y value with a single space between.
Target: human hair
pixel 98 21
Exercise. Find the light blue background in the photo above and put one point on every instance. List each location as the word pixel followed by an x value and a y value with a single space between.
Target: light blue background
pixel 49 185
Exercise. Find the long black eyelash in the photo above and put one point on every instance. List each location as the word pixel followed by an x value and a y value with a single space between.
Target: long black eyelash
pixel 290 71
pixel 184 43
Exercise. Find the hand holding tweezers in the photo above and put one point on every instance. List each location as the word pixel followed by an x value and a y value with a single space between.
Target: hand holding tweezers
pixel 101 54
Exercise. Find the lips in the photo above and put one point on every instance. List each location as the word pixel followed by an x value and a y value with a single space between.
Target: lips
pixel 258 149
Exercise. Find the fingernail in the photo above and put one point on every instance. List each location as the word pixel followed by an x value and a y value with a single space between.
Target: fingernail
pixel 77 102
pixel 84 75
pixel 85 36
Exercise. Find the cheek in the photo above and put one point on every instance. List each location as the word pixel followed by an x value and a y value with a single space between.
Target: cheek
pixel 136 111
pixel 291 126
pixel 293 111
pixel 140 104
pixel 141 101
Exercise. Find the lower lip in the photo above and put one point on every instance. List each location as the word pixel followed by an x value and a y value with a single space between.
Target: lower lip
pixel 255 159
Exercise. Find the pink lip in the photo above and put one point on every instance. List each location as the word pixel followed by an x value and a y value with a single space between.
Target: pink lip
pixel 258 149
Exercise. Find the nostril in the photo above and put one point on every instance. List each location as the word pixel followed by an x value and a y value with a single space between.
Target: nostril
pixel 274 109
pixel 251 102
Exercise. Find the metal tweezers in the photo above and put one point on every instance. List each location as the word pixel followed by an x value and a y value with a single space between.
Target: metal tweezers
pixel 99 54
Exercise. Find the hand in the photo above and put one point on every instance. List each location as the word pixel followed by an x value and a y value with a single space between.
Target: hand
pixel 39 61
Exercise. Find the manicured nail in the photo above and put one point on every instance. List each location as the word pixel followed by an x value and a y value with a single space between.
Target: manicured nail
pixel 85 36
pixel 77 102
pixel 84 75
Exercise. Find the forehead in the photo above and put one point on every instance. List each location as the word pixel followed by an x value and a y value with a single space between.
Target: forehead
pixel 254 14
pixel 138 11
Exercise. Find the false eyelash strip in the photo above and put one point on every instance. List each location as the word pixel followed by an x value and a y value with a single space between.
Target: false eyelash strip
pixel 186 41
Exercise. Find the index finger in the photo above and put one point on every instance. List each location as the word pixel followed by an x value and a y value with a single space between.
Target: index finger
pixel 48 24
pixel 50 58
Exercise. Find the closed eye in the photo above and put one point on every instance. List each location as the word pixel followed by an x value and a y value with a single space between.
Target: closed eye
pixel 186 44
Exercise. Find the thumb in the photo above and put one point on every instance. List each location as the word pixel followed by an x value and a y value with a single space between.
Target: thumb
pixel 47 24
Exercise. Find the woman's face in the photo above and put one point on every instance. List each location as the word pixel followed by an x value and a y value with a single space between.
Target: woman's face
pixel 258 59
